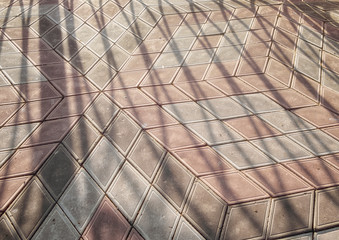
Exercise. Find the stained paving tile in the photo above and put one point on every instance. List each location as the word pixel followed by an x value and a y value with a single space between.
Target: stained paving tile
pixel 107 222
pixel 81 139
pixel 205 211
pixel 316 141
pixel 56 225
pixel 326 208
pixel 291 214
pixel 243 155
pixel 174 181
pixel 122 132
pixel 128 191
pixel 246 220
pixel 80 200
pixel 30 208
pixel 257 103
pixel 157 219
pixel 147 155
pixel 214 132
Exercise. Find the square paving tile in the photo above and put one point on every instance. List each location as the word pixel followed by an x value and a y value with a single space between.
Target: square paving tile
pixel 81 139
pixel 165 94
pixel 188 112
pixel 252 127
pixel 56 225
pixel 175 137
pixel 130 97
pixel 203 161
pixel 278 180
pixel 147 155
pixel 103 163
pixel 26 161
pixel 243 155
pixel 157 219
pixel 326 209
pixel 69 47
pixel 318 116
pixel 174 181
pixel 128 191
pixel 224 108
pixel 316 171
pixel 80 200
pixel 246 220
pixel 107 222
pixel 58 171
pixel 231 85
pixel 281 148
pixel 316 141
pixel 101 112
pixel 122 132
pixel 30 208
pixel 234 188
pixel 257 103
pixel 291 214
pixel 199 90
pixel 214 132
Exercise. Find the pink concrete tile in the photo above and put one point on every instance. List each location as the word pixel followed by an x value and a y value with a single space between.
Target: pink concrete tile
pixel 195 18
pixel 315 171
pixel 191 73
pixel 279 71
pixel 31 45
pixel 231 85
pixel 256 50
pixel 318 116
pixel 268 10
pixel 72 106
pixel 57 71
pixel 151 46
pixel 171 20
pixel 259 35
pixel 282 54
pixel 264 22
pixel 252 127
pixel 244 12
pixel 73 86
pixel 277 180
pixel 126 79
pixel 10 188
pixel 204 42
pixel 159 76
pixel 332 159
pixel 26 161
pixel 37 91
pixel 203 161
pixel 290 98
pixel 199 90
pixel 252 65
pixel 222 69
pixel 20 33
pixel 8 95
pixel 7 111
pixel 134 235
pixel 107 222
pixel 286 39
pixel 306 86
pixel 140 62
pixel 263 82
pixel 234 187
pixel 51 131
pixel 175 137
pixel 331 62
pixel 331 31
pixel 313 23
pixel 44 57
pixel 288 25
pixel 34 111
pixel 333 131
pixel 165 94
pixel 329 99
pixel 151 116
pixel 130 97
pixel 220 15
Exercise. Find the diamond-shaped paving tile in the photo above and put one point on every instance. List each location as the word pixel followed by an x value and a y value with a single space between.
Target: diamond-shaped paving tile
pixel 318 115
pixel 37 91
pixel 74 86
pixel 128 191
pixel 58 171
pixel 8 95
pixel 199 90
pixel 80 200
pixel 165 94
pixel 100 74
pixel 186 231
pixel 103 163
pixel 257 103
pixel 327 234
pixel 7 230
pixel 232 85
pixel 130 97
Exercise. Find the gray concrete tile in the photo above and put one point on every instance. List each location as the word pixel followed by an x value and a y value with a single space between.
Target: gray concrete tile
pixel 24 75
pixel 331 46
pixel 14 60
pixel 58 171
pixel 214 132
pixel 103 163
pixel 233 38
pixel 213 28
pixel 239 25
pixel 56 226
pixel 7 230
pixel 157 218
pixel 129 42
pixel 330 79
pixel 30 208
pixel 71 23
pixel 308 67
pixel 101 74
pixel 112 31
pixel 115 57
pixel 149 16
pixel 99 44
pixel 327 234
pixel 81 199
pixel 316 141
pixel 180 44
pixel 84 60
pixel 128 191
pixel 187 31
pixel 140 29
pixel 228 53
pixel 188 112
pixel 202 56
pixel 310 35
pixel 243 155
pixel 170 59
pixel 186 231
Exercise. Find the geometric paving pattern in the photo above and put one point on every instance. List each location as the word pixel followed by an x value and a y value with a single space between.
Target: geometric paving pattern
pixel 147 119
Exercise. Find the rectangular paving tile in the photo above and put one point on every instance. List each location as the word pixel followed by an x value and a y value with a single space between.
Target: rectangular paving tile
pixel 243 155
pixel 80 200
pixel 128 191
